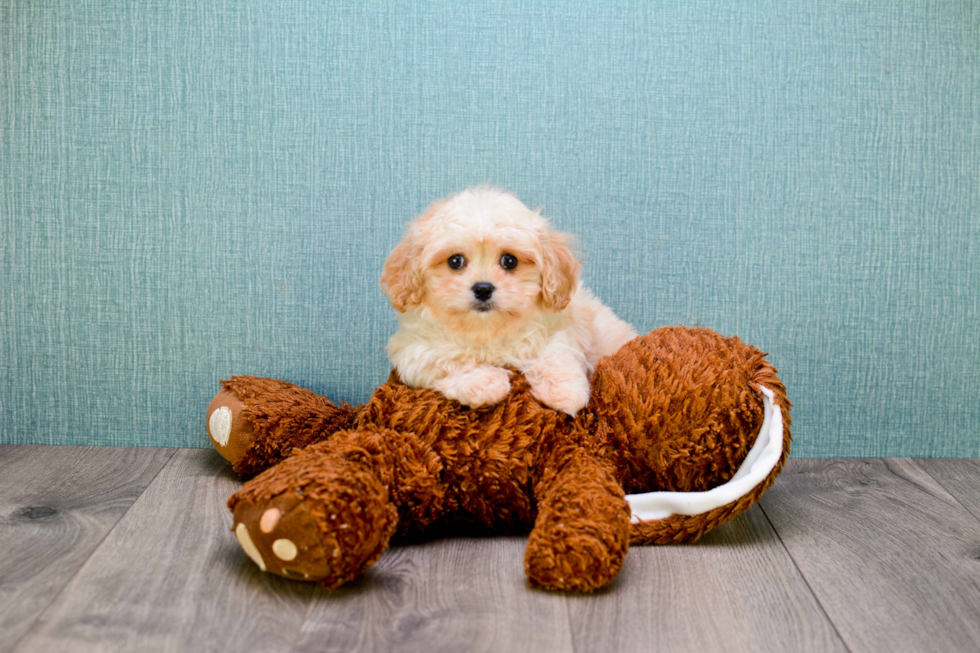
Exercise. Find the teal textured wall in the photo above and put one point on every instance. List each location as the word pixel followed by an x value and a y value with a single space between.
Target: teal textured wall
pixel 191 190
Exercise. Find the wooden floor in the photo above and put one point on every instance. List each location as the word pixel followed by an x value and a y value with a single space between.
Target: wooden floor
pixel 130 550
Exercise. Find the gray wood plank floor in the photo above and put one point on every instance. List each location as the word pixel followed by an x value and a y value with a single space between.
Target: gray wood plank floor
pixel 57 504
pixel 888 552
pixel 130 550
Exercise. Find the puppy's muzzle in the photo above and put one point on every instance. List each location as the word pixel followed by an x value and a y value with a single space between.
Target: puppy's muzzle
pixel 483 291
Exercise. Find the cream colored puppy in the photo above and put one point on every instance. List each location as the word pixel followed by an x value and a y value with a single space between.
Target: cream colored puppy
pixel 482 282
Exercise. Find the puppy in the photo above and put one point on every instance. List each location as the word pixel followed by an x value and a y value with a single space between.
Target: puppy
pixel 482 282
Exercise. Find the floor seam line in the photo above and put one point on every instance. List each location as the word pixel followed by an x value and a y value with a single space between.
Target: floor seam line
pixel 805 580
pixel 568 622
pixel 955 498
pixel 68 581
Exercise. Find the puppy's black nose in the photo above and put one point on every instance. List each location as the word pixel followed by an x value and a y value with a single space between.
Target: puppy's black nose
pixel 482 290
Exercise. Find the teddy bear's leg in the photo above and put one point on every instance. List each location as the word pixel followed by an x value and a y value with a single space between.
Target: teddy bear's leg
pixel 327 512
pixel 581 534
pixel 255 422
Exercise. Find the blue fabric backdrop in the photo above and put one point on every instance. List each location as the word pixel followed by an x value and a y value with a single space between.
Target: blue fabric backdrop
pixel 191 190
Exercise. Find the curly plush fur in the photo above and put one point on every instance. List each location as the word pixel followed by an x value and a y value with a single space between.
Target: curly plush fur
pixel 677 409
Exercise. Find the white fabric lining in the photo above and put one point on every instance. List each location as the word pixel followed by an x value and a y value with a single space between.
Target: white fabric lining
pixel 762 458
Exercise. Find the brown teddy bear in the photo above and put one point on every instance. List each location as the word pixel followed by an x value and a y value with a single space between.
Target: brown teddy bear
pixel 684 430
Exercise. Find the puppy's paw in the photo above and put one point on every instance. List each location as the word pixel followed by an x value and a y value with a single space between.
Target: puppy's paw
pixel 481 385
pixel 559 386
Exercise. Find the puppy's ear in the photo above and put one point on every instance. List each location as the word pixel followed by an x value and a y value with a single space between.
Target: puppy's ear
pixel 401 279
pixel 559 271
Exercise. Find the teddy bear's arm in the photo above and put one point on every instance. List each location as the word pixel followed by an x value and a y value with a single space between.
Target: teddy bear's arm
pixel 255 422
pixel 581 534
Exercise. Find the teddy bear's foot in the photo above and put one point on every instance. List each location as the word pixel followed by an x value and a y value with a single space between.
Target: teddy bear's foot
pixel 254 422
pixel 314 517
pixel 581 535
pixel 230 432
pixel 280 536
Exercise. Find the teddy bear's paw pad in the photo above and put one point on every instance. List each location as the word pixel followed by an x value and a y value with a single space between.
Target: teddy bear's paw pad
pixel 229 431
pixel 248 546
pixel 281 537
pixel 219 425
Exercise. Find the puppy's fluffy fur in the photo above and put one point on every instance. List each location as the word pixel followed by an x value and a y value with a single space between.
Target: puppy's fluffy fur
pixel 482 282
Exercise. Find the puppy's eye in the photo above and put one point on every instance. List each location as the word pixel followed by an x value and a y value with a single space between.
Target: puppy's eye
pixel 457 261
pixel 508 261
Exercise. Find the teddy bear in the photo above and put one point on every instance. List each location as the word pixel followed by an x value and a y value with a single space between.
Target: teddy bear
pixel 684 430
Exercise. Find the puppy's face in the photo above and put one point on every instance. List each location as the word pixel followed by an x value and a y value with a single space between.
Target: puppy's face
pixel 480 260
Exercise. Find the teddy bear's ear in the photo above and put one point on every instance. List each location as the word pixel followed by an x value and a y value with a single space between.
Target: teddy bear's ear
pixel 401 278
pixel 559 270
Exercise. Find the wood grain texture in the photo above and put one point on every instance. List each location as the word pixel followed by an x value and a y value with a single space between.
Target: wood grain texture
pixel 960 477
pixel 56 505
pixel 459 594
pixel 171 576
pixel 888 552
pixel 859 555
pixel 734 590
